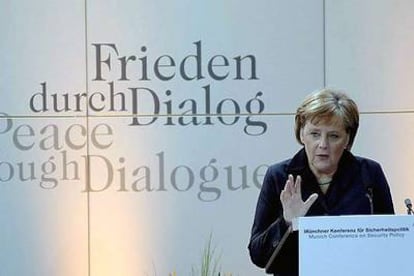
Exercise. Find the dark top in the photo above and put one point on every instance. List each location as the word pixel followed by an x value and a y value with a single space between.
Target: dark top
pixel 356 180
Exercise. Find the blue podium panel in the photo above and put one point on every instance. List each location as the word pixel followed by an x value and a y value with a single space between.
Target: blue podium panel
pixel 356 245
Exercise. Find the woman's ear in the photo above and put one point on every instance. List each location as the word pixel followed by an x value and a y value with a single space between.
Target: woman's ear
pixel 301 134
pixel 347 145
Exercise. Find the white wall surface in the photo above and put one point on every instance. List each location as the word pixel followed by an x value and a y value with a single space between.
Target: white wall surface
pixel 148 210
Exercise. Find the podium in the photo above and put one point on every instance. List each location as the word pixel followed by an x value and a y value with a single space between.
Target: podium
pixel 379 245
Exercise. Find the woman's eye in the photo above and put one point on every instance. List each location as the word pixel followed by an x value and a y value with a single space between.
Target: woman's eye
pixel 314 134
pixel 334 136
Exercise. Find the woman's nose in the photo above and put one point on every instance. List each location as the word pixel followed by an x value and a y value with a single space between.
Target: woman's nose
pixel 323 142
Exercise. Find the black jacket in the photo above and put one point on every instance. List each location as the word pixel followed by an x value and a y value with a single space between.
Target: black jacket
pixel 355 180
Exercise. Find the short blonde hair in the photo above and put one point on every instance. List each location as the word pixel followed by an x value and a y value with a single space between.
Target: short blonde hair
pixel 327 104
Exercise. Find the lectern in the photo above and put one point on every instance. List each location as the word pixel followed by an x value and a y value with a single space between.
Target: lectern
pixel 379 245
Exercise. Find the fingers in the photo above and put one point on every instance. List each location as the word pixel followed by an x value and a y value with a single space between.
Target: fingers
pixel 298 185
pixel 284 196
pixel 289 186
pixel 308 203
pixel 292 186
pixel 287 191
pixel 291 199
pixel 292 189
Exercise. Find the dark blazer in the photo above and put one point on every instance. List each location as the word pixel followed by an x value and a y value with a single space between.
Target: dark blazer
pixel 355 181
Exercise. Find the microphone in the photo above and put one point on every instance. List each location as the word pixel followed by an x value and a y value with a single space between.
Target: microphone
pixel 370 195
pixel 409 206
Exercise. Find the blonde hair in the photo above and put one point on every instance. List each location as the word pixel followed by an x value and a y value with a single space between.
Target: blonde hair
pixel 328 104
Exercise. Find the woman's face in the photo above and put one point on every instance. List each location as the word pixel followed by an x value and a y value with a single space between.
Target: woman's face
pixel 324 142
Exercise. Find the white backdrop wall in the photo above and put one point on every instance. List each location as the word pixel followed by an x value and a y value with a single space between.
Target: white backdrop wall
pixel 133 132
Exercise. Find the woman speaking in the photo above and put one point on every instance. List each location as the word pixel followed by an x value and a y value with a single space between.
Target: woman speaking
pixel 323 178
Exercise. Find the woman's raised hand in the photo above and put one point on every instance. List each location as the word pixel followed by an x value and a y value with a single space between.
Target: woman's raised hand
pixel 291 198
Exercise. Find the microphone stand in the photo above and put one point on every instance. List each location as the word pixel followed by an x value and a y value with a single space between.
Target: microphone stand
pixel 369 195
pixel 409 206
pixel 410 210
